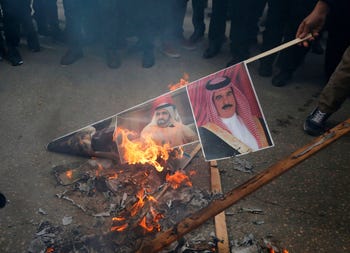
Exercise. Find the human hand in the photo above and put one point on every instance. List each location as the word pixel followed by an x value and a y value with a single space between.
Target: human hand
pixel 313 23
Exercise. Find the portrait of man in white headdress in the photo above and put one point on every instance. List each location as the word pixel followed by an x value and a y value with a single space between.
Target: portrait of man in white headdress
pixel 166 125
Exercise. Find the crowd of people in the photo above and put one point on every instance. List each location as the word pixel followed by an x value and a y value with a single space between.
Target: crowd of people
pixel 111 22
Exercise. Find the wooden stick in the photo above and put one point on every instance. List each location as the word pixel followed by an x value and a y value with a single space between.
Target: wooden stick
pixel 276 49
pixel 220 219
pixel 190 223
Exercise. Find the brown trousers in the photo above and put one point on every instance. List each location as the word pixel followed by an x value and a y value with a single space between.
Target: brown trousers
pixel 338 87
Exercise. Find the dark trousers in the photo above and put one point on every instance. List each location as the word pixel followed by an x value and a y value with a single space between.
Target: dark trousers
pixel 244 28
pixel 111 16
pixel 15 14
pixel 198 8
pixel 338 34
pixel 81 22
pixel 244 17
pixel 46 15
pixel 283 19
pixel 145 20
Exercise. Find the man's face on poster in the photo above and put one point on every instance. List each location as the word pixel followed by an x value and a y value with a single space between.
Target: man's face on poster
pixel 162 117
pixel 225 103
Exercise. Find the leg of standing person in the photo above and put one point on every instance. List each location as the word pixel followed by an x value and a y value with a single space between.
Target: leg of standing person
pixel 198 8
pixel 338 38
pixel 73 11
pixel 146 18
pixel 217 27
pixel 244 28
pixel 110 17
pixel 331 98
pixel 40 17
pixel 26 20
pixel 172 16
pixel 291 58
pixel 277 16
pixel 11 32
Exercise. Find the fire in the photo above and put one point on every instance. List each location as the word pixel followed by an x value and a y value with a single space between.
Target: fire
pixel 141 151
pixel 139 204
pixel 183 81
pixel 99 169
pixel 114 176
pixel 50 250
pixel 285 251
pixel 119 228
pixel 69 174
pixel 177 179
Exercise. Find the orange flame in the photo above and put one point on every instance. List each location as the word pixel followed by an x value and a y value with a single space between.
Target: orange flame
pixel 50 250
pixel 139 204
pixel 99 169
pixel 119 228
pixel 143 152
pixel 285 251
pixel 272 250
pixel 69 174
pixel 177 179
pixel 145 226
pixel 183 81
pixel 114 176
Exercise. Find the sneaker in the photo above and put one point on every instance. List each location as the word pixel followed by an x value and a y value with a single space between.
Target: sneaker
pixel 71 56
pixel 315 123
pixel 169 50
pixel 113 59
pixel 14 56
pixel 282 78
pixel 148 59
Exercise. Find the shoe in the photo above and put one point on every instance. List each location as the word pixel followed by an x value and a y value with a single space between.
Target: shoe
pixel 71 56
pixel 211 51
pixel 14 56
pixel 196 36
pixel 169 50
pixel 148 59
pixel 315 123
pixel 113 59
pixel 281 79
pixel 237 58
pixel 265 70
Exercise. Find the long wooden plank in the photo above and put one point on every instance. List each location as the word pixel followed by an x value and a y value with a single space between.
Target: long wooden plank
pixel 217 206
pixel 220 219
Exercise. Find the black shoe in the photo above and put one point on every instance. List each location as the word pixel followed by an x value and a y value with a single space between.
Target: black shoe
pixel 281 79
pixel 113 59
pixel 71 56
pixel 315 123
pixel 14 56
pixel 265 70
pixel 196 36
pixel 237 58
pixel 211 51
pixel 148 59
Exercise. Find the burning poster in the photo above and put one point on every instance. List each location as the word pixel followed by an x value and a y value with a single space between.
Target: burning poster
pixel 228 116
pixel 95 140
pixel 165 121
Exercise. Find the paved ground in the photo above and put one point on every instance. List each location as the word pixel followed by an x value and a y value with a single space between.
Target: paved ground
pixel 306 209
